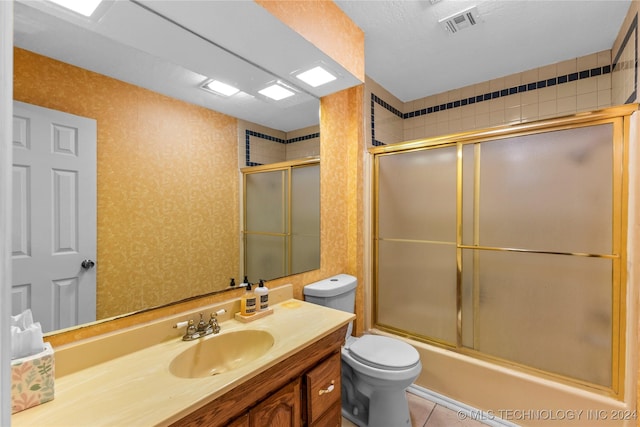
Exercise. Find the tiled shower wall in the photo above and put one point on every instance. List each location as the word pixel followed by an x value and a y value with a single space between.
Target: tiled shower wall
pixel 564 88
pixel 260 145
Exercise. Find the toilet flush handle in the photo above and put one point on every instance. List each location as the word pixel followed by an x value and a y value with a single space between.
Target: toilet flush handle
pixel 327 390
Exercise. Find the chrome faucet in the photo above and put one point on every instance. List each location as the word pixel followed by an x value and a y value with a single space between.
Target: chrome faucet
pixel 203 328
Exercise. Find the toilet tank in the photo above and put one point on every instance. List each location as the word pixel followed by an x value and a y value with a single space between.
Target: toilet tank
pixel 337 292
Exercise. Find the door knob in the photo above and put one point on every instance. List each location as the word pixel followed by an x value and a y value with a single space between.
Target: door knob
pixel 87 264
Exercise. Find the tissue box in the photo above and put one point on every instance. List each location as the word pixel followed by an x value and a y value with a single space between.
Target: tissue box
pixel 32 380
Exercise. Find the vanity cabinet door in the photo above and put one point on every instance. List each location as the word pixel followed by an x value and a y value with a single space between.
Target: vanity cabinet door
pixel 323 388
pixel 331 418
pixel 282 409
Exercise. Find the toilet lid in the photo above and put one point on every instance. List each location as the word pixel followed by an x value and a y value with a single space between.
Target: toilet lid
pixel 384 352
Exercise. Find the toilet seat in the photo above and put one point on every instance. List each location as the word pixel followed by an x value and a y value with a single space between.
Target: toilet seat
pixel 384 353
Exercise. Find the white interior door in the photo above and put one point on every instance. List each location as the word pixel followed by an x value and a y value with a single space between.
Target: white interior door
pixel 53 216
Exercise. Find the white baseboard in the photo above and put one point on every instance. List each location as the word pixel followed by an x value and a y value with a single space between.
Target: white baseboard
pixel 463 411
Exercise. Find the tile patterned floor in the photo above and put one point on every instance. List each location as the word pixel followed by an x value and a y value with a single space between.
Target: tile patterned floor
pixel 425 413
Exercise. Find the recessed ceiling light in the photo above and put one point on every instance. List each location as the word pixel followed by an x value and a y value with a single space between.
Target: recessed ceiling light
pixel 277 92
pixel 220 88
pixel 83 7
pixel 316 76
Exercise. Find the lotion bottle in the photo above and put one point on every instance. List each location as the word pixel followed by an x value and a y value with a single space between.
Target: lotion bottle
pixel 248 302
pixel 262 293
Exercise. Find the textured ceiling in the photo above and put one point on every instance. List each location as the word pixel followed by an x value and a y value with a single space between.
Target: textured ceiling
pixel 410 54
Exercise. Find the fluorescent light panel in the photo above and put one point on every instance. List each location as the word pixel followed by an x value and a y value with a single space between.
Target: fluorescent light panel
pixel 276 92
pixel 316 76
pixel 221 88
pixel 83 7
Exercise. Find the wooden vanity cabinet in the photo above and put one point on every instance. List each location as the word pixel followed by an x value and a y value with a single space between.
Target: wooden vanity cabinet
pixel 280 409
pixel 321 397
pixel 285 395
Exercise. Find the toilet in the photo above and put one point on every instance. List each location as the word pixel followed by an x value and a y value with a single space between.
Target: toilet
pixel 376 370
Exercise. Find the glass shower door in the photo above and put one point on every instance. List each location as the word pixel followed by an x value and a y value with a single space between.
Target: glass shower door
pixel 537 251
pixel 509 249
pixel 417 243
pixel 266 219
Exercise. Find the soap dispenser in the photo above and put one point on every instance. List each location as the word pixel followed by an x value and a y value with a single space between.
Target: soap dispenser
pixel 244 282
pixel 262 293
pixel 248 302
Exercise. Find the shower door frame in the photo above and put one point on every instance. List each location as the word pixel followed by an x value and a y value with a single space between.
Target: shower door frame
pixel 619 117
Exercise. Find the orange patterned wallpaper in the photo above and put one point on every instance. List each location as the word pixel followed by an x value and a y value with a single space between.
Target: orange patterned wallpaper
pixel 325 25
pixel 167 184
pixel 342 153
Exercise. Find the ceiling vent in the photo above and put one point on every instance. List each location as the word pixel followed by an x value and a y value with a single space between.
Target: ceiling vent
pixel 461 20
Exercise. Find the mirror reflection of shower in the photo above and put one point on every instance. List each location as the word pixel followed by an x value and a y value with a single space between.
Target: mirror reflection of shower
pixel 281 224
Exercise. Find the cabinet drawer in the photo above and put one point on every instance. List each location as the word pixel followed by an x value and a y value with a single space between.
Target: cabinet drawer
pixel 323 387
pixel 331 418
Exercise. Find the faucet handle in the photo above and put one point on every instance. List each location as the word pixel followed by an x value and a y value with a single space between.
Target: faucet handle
pixel 188 323
pixel 191 328
pixel 213 324
pixel 213 320
pixel 181 324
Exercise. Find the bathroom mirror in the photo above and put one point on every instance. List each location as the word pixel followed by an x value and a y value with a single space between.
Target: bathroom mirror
pixel 55 34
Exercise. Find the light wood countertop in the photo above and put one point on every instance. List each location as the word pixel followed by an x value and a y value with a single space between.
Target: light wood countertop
pixel 137 389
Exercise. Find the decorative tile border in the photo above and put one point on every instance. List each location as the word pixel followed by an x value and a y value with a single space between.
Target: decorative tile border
pixel 593 72
pixel 250 133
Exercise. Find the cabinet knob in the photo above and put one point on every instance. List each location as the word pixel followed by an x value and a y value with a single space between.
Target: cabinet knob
pixel 327 390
